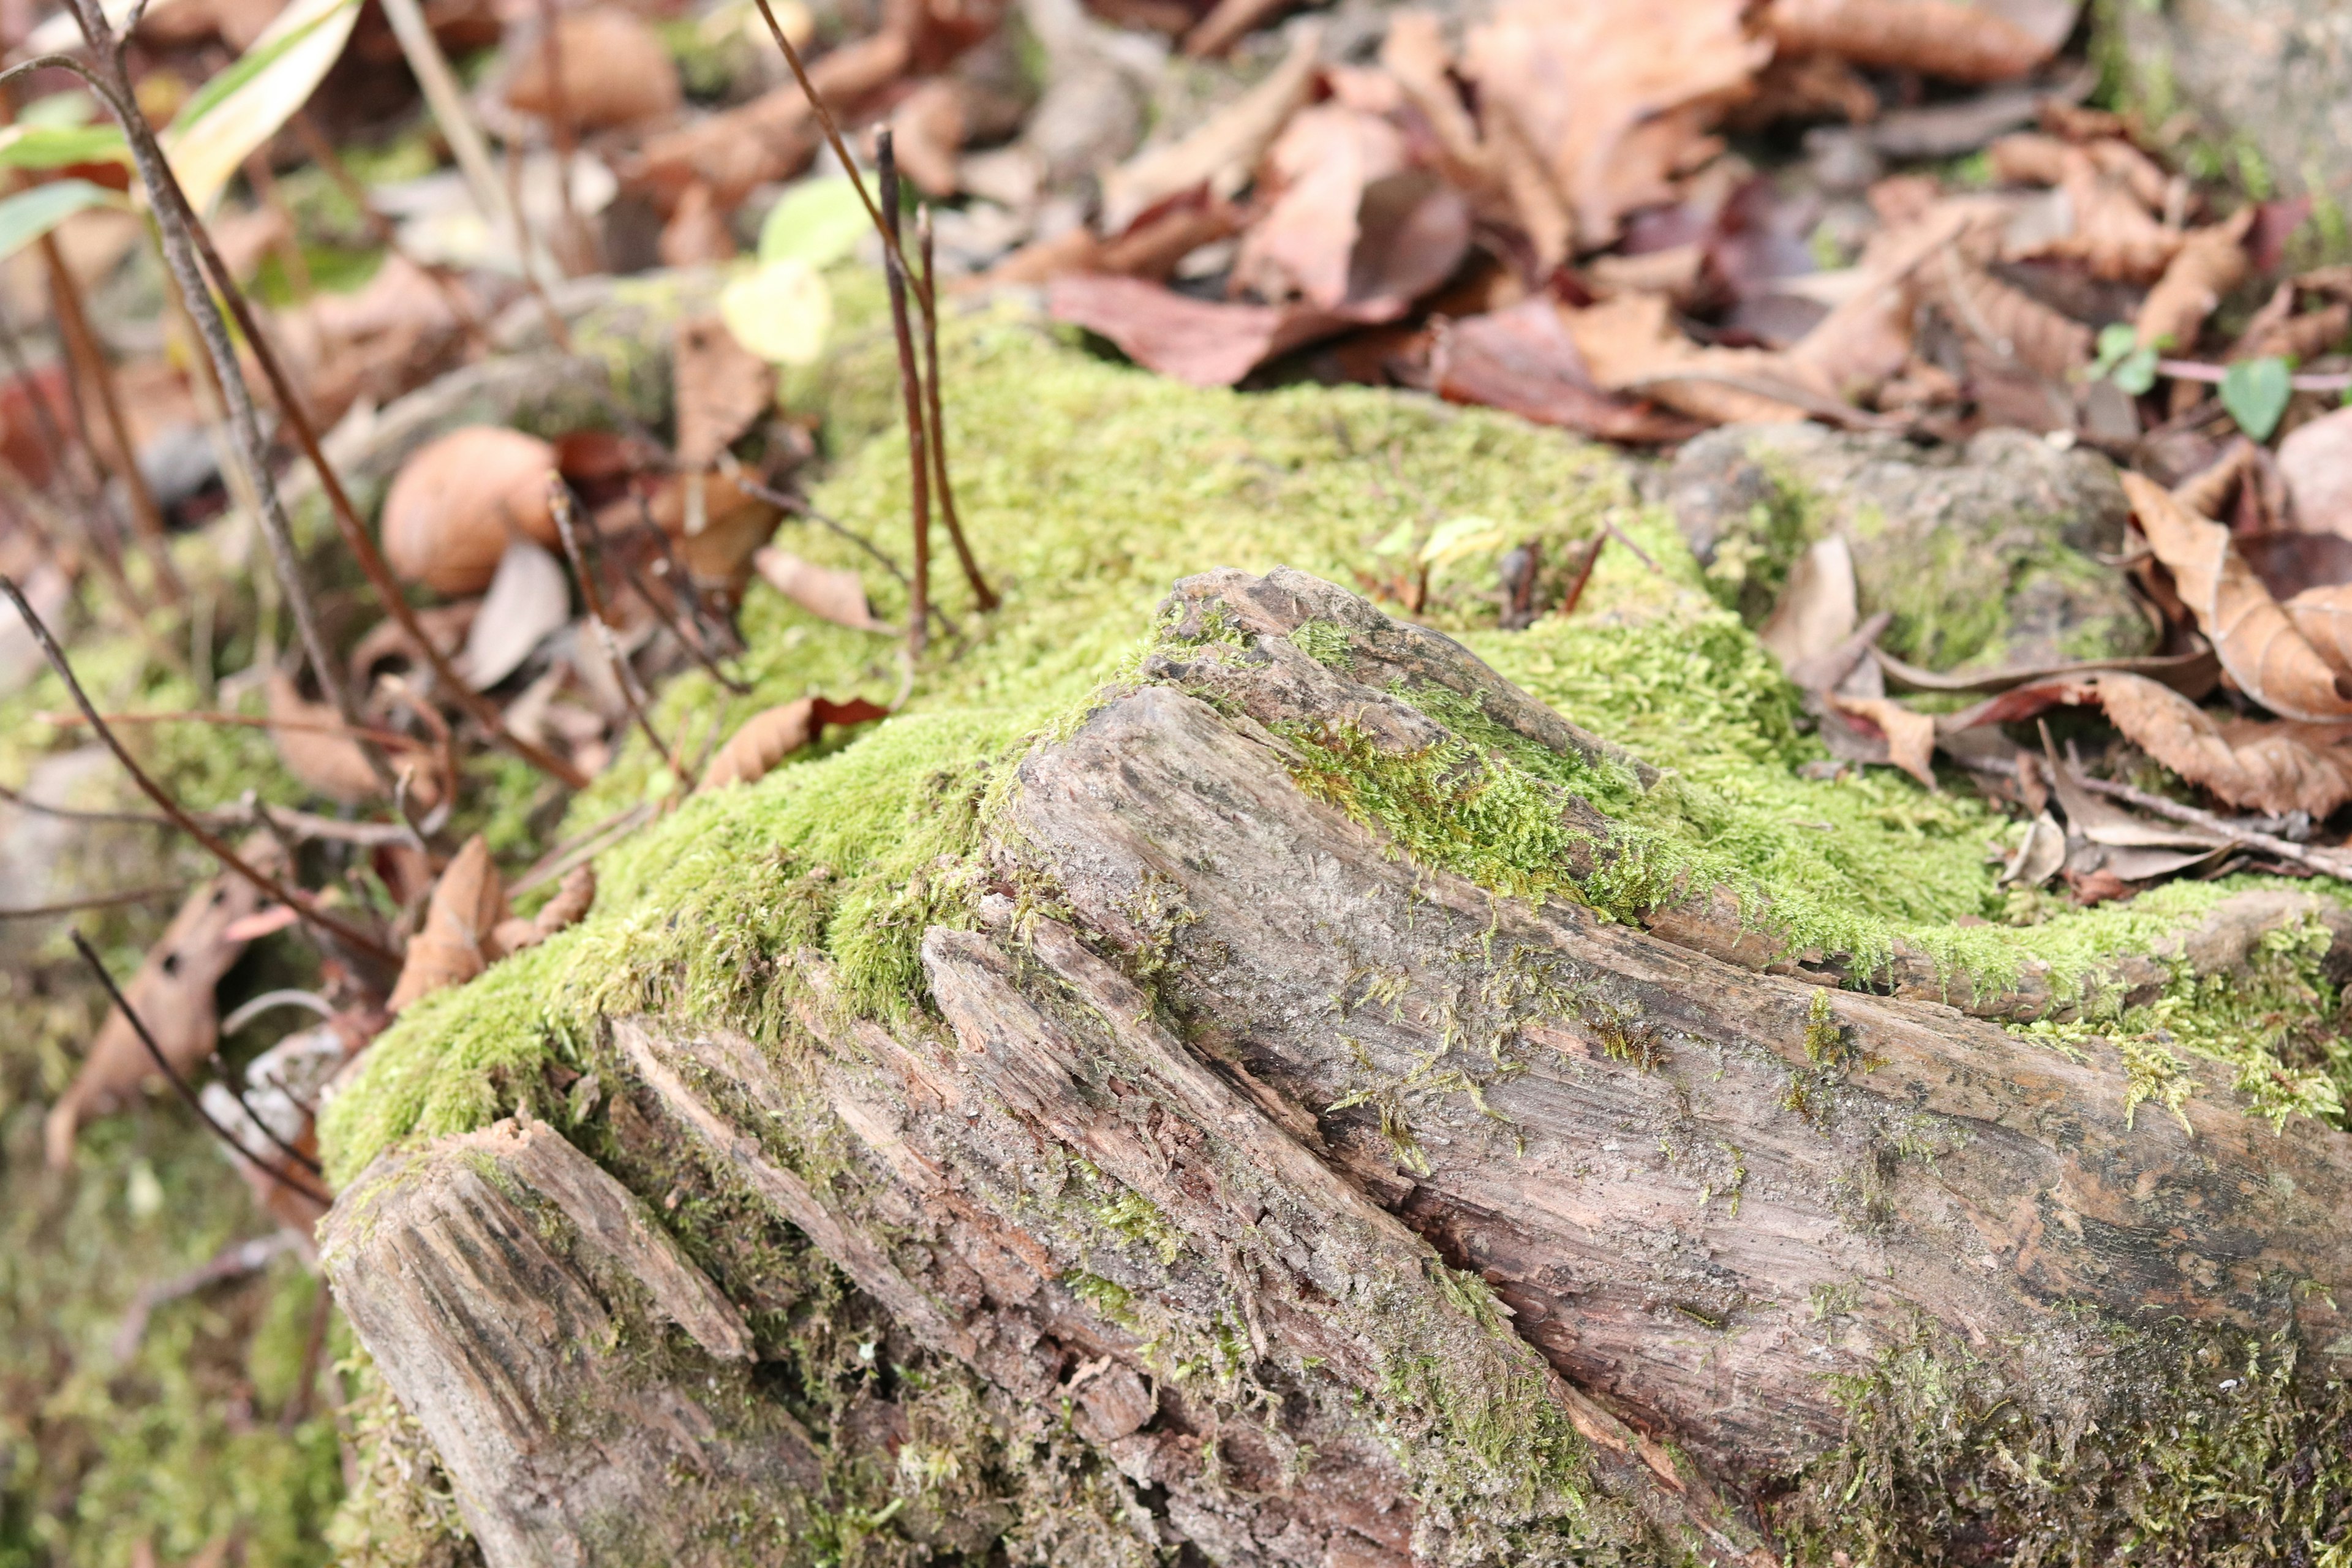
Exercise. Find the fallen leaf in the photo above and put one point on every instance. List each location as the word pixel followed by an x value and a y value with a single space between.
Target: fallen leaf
pixel 1910 737
pixel 2268 767
pixel 1612 100
pixel 782 312
pixel 455 942
pixel 1819 608
pixel 1318 167
pixel 836 595
pixel 173 995
pixel 1221 154
pixel 2191 674
pixel 2324 616
pixel 2039 857
pixel 529 596
pixel 697 234
pixel 456 502
pixel 815 222
pixel 767 738
pixel 1632 344
pixel 2253 638
pixel 2210 263
pixel 722 387
pixel 615 72
pixel 1934 38
pixel 927 132
pixel 1203 342
pixel 734 523
pixel 331 763
pixel 2112 233
pixel 1522 361
pixel 572 901
pixel 2315 460
pixel 388 641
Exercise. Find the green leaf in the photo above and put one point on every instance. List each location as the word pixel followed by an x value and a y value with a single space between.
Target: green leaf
pixel 817 221
pixel 2116 340
pixel 1396 540
pixel 58 146
pixel 29 215
pixel 2255 391
pixel 1459 536
pixel 782 312
pixel 2136 374
pixel 244 105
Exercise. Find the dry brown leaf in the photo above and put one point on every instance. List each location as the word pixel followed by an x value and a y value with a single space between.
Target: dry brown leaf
pixel 1521 360
pixel 456 502
pixel 1818 609
pixel 1415 55
pixel 2112 233
pixel 735 522
pixel 2027 158
pixel 1934 38
pixel 1320 166
pixel 697 234
pixel 2207 491
pixel 2011 322
pixel 2316 459
pixel 614 73
pixel 530 597
pixel 1227 146
pixel 1910 737
pixel 173 994
pixel 1614 100
pixel 2324 616
pixel 721 386
pixel 768 738
pixel 571 903
pixel 457 941
pixel 834 594
pixel 2261 766
pixel 331 763
pixel 1630 344
pixel 2253 638
pixel 2210 263
pixel 927 132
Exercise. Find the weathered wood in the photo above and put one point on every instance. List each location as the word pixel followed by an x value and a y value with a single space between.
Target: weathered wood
pixel 1484 1231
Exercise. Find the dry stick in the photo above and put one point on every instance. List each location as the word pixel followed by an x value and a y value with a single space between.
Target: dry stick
pixel 671 622
pixel 181 818
pixel 323 154
pixel 355 535
pixel 2285 849
pixel 175 221
pixel 910 388
pixel 96 902
pixel 81 343
pixel 24 801
pixel 236 1087
pixel 983 594
pixel 800 508
pixel 832 128
pixel 249 721
pixel 559 501
pixel 163 1064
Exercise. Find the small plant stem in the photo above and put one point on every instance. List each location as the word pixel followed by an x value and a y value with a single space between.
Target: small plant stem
pixel 983 596
pixel 799 507
pixel 96 902
pixel 164 1066
pixel 363 544
pixel 323 154
pixel 82 344
pixel 559 501
pixel 910 388
pixel 236 1088
pixel 671 621
pixel 301 903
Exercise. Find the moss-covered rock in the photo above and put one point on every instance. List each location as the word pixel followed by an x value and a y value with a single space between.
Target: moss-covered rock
pixel 1985 555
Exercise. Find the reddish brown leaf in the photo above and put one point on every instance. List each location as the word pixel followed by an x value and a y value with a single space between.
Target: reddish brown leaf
pixel 572 901
pixel 2263 766
pixel 2210 263
pixel 1521 360
pixel 697 234
pixel 457 941
pixel 2255 638
pixel 2315 460
pixel 768 738
pixel 1320 165
pixel 1195 340
pixel 1910 737
pixel 173 995
pixel 456 502
pixel 722 387
pixel 2324 616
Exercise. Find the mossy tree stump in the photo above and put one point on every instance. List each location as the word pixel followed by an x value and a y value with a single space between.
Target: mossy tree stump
pixel 1258 1188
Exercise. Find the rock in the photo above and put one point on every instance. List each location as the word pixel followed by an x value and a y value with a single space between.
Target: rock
pixel 1985 555
pixel 2263 77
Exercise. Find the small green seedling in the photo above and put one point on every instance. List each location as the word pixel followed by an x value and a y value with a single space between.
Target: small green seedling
pixel 2255 391
pixel 2122 361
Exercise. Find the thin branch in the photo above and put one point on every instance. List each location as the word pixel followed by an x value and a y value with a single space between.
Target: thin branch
pixel 983 596
pixel 237 1090
pixel 800 507
pixel 2319 860
pixel 254 1007
pixel 233 1261
pixel 53 437
pixel 911 389
pixel 249 721
pixel 301 903
pixel 888 230
pixel 583 845
pixel 196 1101
pixel 559 501
pixel 24 801
pixel 671 622
pixel 96 902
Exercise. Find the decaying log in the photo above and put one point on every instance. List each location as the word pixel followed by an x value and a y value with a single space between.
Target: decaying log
pixel 1354 1215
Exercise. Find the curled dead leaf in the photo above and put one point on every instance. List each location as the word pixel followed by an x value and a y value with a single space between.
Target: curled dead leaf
pixel 2011 322
pixel 2255 638
pixel 2324 616
pixel 2315 460
pixel 2112 234
pixel 457 941
pixel 835 595
pixel 572 902
pixel 721 388
pixel 2210 263
pixel 1521 360
pixel 173 995
pixel 768 738
pixel 456 502
pixel 614 73
pixel 2263 766
pixel 1910 737
pixel 1934 38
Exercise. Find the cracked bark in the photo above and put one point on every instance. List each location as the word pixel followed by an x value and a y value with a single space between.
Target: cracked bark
pixel 1631 1183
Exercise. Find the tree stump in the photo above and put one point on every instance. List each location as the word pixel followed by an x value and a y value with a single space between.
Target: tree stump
pixel 1274 1195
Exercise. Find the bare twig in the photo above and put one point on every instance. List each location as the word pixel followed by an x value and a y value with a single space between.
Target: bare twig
pixel 583 845
pixel 164 1066
pixel 301 903
pixel 911 389
pixel 2319 860
pixel 983 596
pixel 24 801
pixel 96 902
pixel 562 133
pixel 246 721
pixel 689 641
pixel 799 507
pixel 53 437
pixel 2214 374
pixel 559 501
pixel 270 1000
